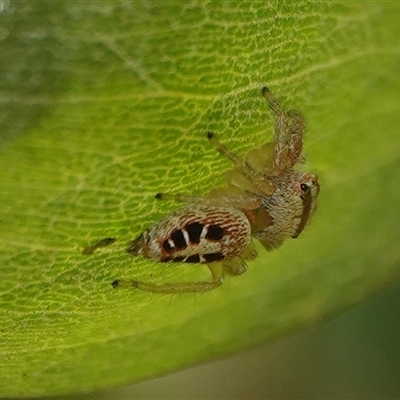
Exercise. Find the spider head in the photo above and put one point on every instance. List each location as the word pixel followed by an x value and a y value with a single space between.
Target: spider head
pixel 307 188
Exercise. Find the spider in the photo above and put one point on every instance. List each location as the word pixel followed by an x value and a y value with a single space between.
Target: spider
pixel 266 199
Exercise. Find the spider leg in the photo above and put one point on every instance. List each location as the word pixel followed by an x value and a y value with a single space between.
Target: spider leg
pixel 217 272
pixel 177 287
pixel 180 198
pixel 280 134
pixel 88 250
pixel 250 253
pixel 269 243
pixel 259 183
pixel 260 158
pixel 296 131
pixel 240 164
pixel 235 266
pixel 220 197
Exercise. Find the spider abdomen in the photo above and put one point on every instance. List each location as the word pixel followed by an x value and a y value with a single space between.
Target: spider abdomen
pixel 195 234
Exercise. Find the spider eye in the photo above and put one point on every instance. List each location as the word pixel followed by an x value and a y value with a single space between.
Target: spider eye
pixel 304 187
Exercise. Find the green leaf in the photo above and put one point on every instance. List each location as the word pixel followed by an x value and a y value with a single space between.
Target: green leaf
pixel 103 104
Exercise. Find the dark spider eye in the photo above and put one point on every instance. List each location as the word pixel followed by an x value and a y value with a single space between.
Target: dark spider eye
pixel 304 187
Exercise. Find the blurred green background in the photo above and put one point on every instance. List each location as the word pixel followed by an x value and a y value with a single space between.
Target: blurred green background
pixel 354 356
pixel 103 104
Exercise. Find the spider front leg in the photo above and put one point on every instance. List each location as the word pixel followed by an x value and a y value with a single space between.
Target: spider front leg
pixel 280 133
pixel 288 135
pixel 296 131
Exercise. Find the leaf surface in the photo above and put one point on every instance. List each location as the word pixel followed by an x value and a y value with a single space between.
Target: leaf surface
pixel 104 104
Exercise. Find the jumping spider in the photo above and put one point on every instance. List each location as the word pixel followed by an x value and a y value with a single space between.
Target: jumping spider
pixel 267 199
